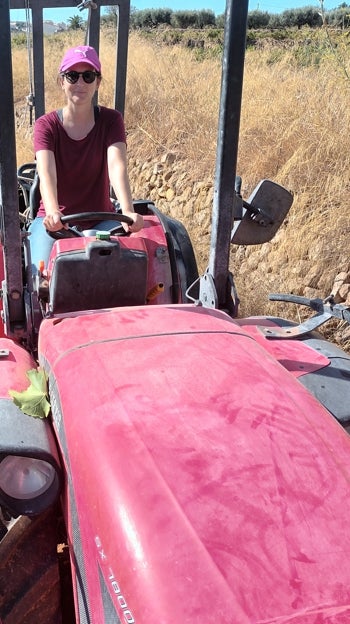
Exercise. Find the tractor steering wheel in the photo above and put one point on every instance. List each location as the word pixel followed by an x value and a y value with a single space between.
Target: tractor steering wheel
pixel 88 216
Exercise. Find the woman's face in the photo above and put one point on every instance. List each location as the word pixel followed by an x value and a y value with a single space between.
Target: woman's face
pixel 80 91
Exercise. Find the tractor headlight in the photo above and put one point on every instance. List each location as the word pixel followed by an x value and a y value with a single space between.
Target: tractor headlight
pixel 27 485
pixel 30 472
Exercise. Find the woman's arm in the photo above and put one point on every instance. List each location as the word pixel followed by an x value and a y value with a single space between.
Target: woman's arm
pixel 46 167
pixel 118 175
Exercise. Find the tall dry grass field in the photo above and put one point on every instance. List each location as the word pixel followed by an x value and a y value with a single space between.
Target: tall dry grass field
pixel 294 129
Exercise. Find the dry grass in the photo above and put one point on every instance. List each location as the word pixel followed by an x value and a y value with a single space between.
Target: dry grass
pixel 294 129
pixel 297 120
pixel 172 103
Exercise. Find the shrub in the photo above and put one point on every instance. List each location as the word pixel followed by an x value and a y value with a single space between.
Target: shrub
pixel 258 19
pixel 220 20
pixel 19 39
pixel 205 18
pixel 308 16
pixel 339 18
pixel 184 19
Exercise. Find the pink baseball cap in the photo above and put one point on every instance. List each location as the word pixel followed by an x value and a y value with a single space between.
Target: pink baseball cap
pixel 80 54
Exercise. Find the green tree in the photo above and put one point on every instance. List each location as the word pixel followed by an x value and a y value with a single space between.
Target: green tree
pixel 220 20
pixel 75 23
pixel 146 18
pixel 275 21
pixel 161 16
pixel 205 18
pixel 184 19
pixel 258 19
pixel 111 16
pixel 307 16
pixel 339 18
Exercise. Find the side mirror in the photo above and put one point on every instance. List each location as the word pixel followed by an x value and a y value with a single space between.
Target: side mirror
pixel 262 214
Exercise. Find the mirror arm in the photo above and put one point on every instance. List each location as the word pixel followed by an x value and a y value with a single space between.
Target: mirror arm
pixel 258 215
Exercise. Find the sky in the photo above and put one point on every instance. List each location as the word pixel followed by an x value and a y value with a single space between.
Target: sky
pixel 217 6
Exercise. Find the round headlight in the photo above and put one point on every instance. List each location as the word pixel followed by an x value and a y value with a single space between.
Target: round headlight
pixel 25 478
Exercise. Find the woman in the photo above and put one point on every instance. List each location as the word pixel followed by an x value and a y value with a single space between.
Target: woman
pixel 80 150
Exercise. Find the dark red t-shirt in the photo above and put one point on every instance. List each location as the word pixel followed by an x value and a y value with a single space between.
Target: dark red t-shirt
pixel 82 172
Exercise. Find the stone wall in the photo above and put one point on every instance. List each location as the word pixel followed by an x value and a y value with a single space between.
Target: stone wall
pixel 168 184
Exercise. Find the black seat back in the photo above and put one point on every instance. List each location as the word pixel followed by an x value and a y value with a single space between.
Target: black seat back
pixel 28 181
pixel 34 197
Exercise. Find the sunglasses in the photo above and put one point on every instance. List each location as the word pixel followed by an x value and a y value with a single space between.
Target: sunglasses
pixel 73 76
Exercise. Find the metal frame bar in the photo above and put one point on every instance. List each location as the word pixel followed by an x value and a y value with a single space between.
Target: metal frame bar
pixel 10 223
pixel 227 147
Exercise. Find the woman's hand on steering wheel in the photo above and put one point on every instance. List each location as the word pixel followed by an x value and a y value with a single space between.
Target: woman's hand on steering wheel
pixel 137 222
pixel 52 221
pixel 64 231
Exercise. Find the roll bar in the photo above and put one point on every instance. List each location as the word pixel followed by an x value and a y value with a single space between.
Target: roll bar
pixel 215 287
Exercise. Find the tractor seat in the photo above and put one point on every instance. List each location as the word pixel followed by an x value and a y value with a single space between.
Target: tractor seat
pixel 34 197
pixel 28 181
pixel 104 274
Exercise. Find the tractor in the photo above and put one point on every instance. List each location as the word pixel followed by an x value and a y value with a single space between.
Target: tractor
pixel 187 465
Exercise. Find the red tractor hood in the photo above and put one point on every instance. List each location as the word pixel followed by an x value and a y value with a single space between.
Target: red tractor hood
pixel 204 482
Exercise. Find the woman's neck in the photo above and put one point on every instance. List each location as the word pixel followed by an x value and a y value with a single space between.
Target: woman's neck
pixel 78 121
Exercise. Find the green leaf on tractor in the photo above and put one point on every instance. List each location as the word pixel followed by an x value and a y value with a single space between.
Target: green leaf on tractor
pixel 34 400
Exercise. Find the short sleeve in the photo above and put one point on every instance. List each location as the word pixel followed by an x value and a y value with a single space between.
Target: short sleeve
pixel 115 128
pixel 44 138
